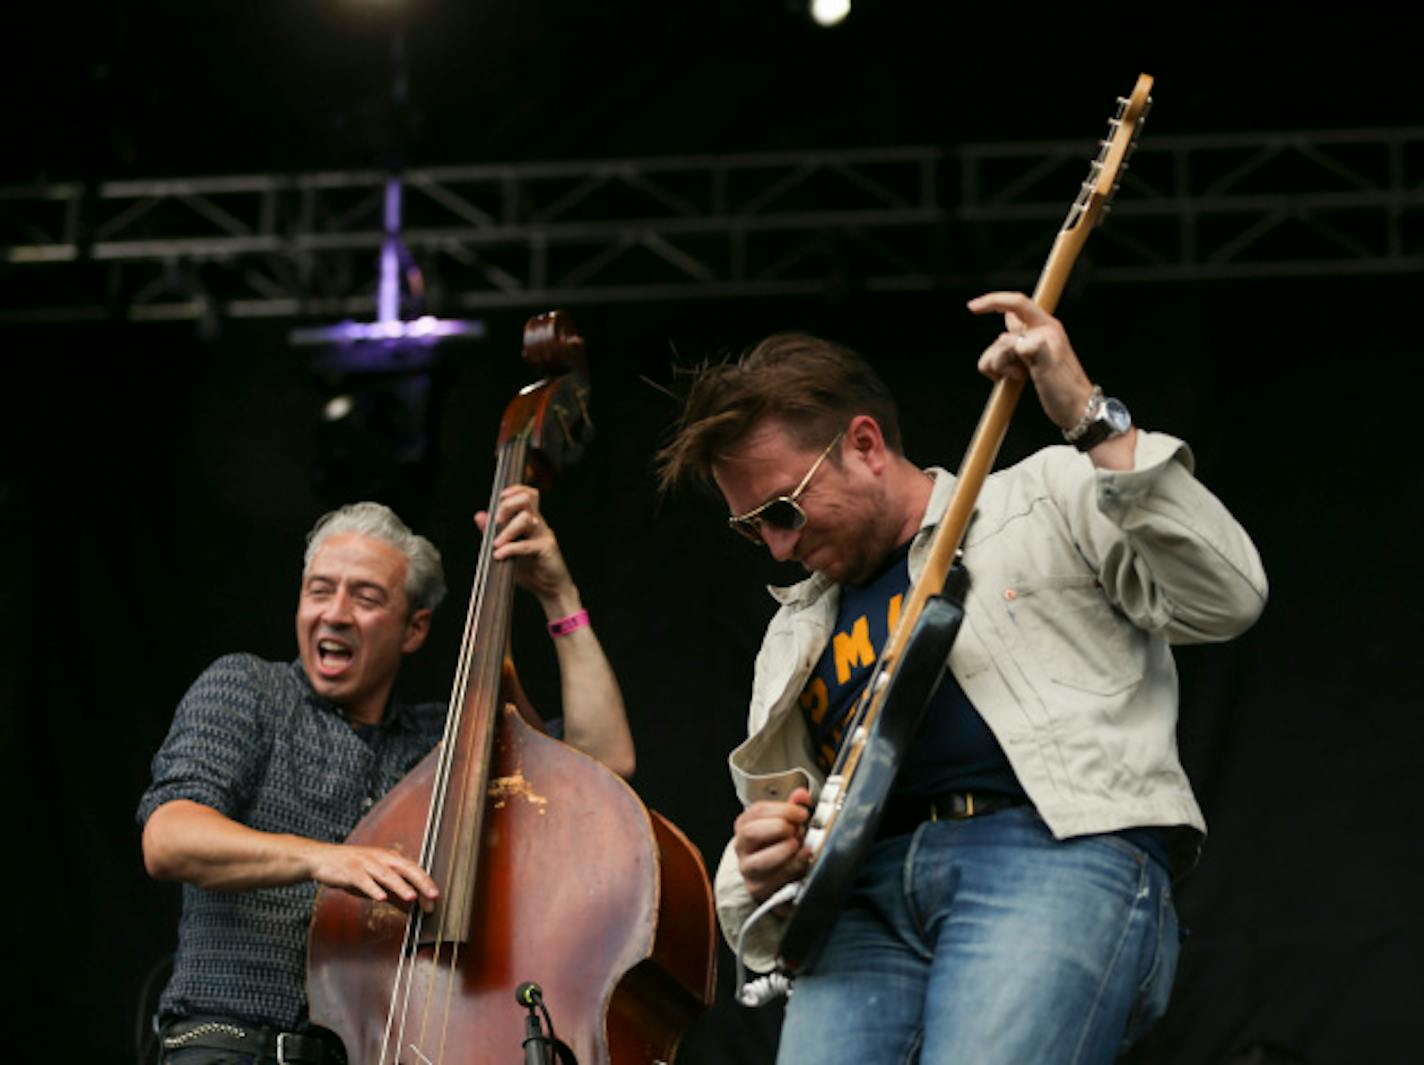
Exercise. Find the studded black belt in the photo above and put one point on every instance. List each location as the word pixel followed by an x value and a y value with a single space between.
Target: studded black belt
pixel 285 1048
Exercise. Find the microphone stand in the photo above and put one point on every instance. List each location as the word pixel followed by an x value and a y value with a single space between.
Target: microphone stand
pixel 536 1043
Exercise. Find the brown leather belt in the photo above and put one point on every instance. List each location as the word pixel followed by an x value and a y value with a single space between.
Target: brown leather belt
pixel 905 813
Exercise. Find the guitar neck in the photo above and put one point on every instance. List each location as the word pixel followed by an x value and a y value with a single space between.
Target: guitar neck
pixel 989 434
pixel 1083 215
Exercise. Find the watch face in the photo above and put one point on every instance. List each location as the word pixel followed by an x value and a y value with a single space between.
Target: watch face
pixel 1116 415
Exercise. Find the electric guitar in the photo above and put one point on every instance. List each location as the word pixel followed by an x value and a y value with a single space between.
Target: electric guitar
pixel 888 715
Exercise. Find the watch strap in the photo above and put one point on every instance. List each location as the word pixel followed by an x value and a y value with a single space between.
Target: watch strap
pixel 1090 415
pixel 1094 434
pixel 1112 419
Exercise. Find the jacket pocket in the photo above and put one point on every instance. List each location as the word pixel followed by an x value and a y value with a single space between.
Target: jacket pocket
pixel 1066 627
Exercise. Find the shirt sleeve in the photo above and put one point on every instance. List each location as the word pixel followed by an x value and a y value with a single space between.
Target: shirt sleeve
pixel 1167 552
pixel 217 744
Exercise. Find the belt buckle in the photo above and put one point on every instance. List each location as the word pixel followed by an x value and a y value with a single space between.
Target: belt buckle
pixel 960 808
pixel 282 1048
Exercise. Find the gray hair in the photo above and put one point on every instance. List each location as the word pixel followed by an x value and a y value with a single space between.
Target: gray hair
pixel 424 578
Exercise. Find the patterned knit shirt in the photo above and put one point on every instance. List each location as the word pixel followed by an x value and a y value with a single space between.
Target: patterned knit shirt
pixel 252 740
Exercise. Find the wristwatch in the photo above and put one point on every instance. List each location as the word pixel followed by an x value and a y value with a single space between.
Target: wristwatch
pixel 1104 419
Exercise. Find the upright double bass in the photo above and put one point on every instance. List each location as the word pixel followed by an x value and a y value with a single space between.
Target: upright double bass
pixel 550 868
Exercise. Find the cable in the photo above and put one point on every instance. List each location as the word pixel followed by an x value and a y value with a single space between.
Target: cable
pixel 773 985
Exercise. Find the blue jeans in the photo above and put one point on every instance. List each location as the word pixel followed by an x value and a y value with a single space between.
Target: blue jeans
pixel 987 941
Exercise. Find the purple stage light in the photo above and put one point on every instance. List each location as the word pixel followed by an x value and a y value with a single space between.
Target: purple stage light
pixel 390 342
pixel 425 328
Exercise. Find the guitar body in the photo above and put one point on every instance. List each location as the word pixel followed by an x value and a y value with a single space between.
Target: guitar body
pixel 851 833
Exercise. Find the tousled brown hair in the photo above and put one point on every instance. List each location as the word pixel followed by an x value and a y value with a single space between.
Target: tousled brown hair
pixel 813 387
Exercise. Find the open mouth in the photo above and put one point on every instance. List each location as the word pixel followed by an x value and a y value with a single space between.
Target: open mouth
pixel 333 656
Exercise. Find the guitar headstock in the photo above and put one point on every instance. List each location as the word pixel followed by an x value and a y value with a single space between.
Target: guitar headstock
pixel 1105 172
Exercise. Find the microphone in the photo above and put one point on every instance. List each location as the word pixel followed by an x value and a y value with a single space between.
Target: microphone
pixel 536 1043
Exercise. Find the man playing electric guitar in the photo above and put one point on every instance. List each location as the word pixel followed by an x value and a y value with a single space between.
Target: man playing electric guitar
pixel 1016 905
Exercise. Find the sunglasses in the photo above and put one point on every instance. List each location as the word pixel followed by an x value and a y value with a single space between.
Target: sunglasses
pixel 782 512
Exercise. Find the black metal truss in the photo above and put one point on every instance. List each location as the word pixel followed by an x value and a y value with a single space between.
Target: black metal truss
pixel 562 234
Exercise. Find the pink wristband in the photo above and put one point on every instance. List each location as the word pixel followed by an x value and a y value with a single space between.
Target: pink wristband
pixel 564 626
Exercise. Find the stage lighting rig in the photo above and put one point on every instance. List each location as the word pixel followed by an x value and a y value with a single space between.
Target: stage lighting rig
pixel 374 432
pixel 402 334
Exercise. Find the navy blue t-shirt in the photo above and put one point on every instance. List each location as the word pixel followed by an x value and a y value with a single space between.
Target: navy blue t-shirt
pixel 953 751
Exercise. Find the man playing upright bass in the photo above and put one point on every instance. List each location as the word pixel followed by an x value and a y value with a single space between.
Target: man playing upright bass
pixel 269 765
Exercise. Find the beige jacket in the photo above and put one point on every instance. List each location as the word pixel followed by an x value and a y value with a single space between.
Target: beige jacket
pixel 1080 579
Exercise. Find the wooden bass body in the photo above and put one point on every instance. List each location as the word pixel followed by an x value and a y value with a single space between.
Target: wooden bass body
pixel 576 892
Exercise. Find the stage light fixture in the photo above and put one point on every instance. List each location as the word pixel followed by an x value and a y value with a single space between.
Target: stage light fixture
pixel 829 12
pixel 338 407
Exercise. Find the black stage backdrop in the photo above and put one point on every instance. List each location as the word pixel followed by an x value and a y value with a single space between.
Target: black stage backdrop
pixel 158 487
